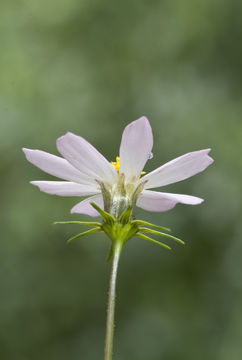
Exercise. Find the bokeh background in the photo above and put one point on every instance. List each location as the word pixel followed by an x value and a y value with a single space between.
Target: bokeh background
pixel 91 67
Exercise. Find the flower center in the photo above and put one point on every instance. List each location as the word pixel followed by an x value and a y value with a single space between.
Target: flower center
pixel 116 165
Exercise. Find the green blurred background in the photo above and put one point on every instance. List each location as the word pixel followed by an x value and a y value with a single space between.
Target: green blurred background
pixel 91 67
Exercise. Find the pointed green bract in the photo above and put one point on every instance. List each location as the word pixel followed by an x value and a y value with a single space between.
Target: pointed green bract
pixel 141 222
pixel 105 194
pixel 88 223
pixel 142 236
pixel 154 232
pixel 121 229
pixel 91 231
pixel 126 215
pixel 106 216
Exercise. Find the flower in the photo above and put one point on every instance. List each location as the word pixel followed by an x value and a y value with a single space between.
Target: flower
pixel 115 186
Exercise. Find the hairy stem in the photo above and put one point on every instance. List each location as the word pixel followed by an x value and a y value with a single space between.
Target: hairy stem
pixel 108 350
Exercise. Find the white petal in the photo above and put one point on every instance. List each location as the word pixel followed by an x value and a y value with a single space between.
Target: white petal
pixel 178 169
pixel 135 148
pixel 158 201
pixel 81 154
pixel 65 188
pixel 84 206
pixel 54 165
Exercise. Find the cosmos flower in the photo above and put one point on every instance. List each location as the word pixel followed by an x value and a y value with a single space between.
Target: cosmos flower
pixel 114 186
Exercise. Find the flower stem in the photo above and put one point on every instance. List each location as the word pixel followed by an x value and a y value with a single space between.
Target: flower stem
pixel 108 350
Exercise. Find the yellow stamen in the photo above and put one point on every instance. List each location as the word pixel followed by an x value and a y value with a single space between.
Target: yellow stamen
pixel 116 165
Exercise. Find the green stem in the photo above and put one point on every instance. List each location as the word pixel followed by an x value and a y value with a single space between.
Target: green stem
pixel 108 350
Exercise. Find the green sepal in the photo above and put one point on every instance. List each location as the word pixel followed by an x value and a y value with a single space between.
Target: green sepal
pixel 88 223
pixel 142 236
pixel 91 231
pixel 106 216
pixel 141 222
pixel 154 232
pixel 121 229
pixel 125 216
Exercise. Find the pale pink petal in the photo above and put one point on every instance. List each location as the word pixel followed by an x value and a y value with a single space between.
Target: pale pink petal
pixel 84 206
pixel 135 148
pixel 56 166
pixel 65 188
pixel 178 169
pixel 158 201
pixel 83 156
